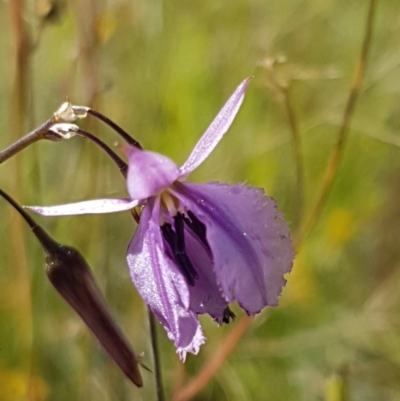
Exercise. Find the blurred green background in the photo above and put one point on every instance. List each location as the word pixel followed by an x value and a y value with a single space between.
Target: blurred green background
pixel 162 69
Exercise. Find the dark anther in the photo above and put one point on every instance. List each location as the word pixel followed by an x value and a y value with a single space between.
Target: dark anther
pixel 180 251
pixel 176 241
pixel 197 227
pixel 169 235
pixel 228 314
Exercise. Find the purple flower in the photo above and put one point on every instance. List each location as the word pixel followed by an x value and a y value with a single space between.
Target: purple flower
pixel 198 247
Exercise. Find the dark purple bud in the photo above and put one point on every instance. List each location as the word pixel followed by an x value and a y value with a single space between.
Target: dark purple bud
pixel 72 278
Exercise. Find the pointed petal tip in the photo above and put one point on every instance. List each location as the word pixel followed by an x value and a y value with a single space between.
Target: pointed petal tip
pixel 245 83
pixel 216 130
pixel 96 206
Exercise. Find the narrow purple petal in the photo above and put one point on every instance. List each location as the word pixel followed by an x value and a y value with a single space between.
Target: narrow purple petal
pixel 95 206
pixel 149 173
pixel 160 283
pixel 205 296
pixel 216 130
pixel 249 240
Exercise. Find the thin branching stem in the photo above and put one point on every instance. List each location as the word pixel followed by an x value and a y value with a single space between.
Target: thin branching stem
pixel 283 91
pixel 36 135
pixel 338 150
pixel 128 138
pixel 32 224
pixel 298 156
pixel 156 356
pixel 123 167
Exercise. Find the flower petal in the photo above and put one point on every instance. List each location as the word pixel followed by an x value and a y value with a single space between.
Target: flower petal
pixel 95 206
pixel 205 296
pixel 248 237
pixel 149 173
pixel 160 283
pixel 216 130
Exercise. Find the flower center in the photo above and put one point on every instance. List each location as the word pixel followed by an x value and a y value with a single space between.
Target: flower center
pixel 175 238
pixel 172 224
pixel 169 203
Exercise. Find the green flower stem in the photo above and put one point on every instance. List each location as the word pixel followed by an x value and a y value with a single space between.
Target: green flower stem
pixel 156 356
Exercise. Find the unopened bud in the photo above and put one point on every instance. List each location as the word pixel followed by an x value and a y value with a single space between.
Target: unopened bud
pixel 67 113
pixel 64 130
pixel 72 278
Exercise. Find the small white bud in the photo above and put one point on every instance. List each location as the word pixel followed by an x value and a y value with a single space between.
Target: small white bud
pixel 64 130
pixel 68 113
pixel 80 111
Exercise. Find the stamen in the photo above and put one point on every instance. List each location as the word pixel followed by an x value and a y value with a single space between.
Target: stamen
pixel 180 251
pixel 197 227
pixel 168 235
pixel 176 241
